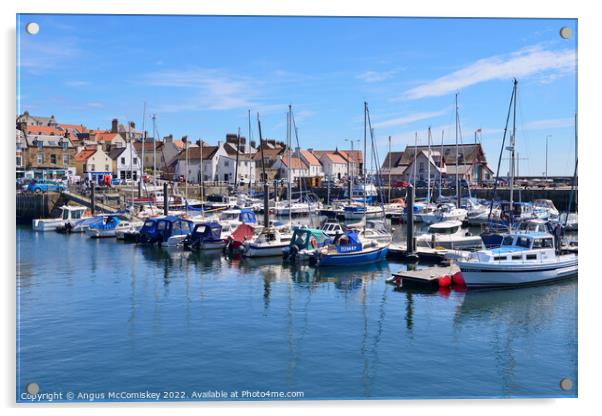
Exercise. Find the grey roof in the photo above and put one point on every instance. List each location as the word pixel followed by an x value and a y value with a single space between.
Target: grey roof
pixel 115 152
pixel 48 141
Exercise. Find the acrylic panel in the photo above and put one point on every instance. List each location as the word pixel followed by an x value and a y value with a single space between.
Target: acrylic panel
pixel 227 208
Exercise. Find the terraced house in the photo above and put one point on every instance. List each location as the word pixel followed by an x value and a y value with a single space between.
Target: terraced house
pixel 47 155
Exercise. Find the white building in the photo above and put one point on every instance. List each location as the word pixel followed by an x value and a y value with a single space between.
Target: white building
pixel 334 165
pixel 298 169
pixel 126 162
pixel 312 162
pixel 210 159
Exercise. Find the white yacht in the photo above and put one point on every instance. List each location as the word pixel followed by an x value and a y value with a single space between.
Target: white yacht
pixel 443 212
pixel 524 258
pixel 449 235
pixel 69 214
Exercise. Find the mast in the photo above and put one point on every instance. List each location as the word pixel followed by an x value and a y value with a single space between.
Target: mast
pixel 365 172
pixel 185 173
pixel 249 147
pixel 155 151
pixel 288 144
pixel 390 157
pixel 441 164
pixel 236 167
pixel 457 173
pixel 415 156
pixel 202 174
pixel 513 145
pixel 428 169
pixel 143 140
pixel 266 214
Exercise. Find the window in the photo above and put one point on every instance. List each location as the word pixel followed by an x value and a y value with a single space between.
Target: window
pixel 548 243
pixel 65 144
pixel 53 159
pixel 40 158
pixel 508 240
pixel 65 159
pixel 40 144
pixel 107 168
pixel 92 167
pixel 123 160
pixel 531 256
pixel 538 243
pixel 122 175
pixel 226 163
pixel 499 258
pixel 135 161
pixel 18 160
pixel 523 242
pixel 517 257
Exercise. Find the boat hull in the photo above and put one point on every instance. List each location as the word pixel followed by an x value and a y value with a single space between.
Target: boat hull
pixel 255 250
pixel 515 275
pixel 47 224
pixel 351 259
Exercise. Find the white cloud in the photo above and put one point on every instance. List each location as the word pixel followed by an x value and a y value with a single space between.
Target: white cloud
pixel 408 119
pixel 549 123
pixel 520 64
pixel 374 76
pixel 213 89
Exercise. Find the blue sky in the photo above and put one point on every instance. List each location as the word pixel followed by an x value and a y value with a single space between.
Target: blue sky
pixel 200 76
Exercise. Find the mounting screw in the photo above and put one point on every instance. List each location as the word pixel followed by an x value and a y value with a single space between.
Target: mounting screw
pixel 566 384
pixel 566 32
pixel 32 388
pixel 32 28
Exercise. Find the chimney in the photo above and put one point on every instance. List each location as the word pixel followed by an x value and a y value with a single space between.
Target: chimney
pixel 168 139
pixel 114 124
pixel 132 125
pixel 219 143
pixel 253 144
pixel 98 147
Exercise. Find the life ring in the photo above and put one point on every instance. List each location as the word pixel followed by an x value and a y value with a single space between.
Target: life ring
pixel 313 242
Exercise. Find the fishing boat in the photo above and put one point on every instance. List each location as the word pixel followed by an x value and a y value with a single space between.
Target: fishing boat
pixel 349 250
pixel 304 243
pixel 69 215
pixel 524 258
pixel 109 225
pixel 269 242
pixel 166 231
pixel 449 235
pixel 207 236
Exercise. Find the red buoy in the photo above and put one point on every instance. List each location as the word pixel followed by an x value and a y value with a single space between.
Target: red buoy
pixel 458 279
pixel 445 281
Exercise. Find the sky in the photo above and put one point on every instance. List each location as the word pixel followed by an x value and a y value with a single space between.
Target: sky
pixel 200 75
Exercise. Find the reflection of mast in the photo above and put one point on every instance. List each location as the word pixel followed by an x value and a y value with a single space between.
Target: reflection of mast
pixel 409 310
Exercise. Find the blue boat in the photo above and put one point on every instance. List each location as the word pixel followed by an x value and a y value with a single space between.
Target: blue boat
pixel 349 250
pixel 205 236
pixel 167 231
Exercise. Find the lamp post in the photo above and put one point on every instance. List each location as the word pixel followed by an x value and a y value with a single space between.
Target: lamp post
pixel 547 137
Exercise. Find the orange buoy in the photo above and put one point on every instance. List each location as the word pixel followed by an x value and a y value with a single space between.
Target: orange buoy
pixel 445 281
pixel 458 279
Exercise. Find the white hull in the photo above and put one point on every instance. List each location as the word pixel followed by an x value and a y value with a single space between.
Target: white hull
pixel 174 241
pixel 360 215
pixel 94 233
pixel 437 217
pixel 453 243
pixel 503 274
pixel 264 250
pixel 47 224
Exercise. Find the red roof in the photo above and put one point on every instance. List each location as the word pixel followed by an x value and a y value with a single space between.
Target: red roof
pixel 101 137
pixel 85 154
pixel 335 158
pixel 296 163
pixel 310 157
pixel 49 131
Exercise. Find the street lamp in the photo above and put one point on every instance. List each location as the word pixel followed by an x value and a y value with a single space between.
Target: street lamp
pixel 547 137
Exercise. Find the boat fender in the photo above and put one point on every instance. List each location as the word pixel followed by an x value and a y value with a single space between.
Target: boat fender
pixel 458 279
pixel 313 242
pixel 445 280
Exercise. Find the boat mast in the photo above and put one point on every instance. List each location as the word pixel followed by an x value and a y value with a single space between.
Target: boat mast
pixel 202 176
pixel 266 214
pixel 143 140
pixel 155 150
pixel 415 156
pixel 441 164
pixel 457 173
pixel 288 143
pixel 237 161
pixel 365 171
pixel 513 145
pixel 249 147
pixel 390 157
pixel 428 169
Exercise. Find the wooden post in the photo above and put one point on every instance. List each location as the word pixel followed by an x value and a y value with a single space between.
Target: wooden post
pixel 93 197
pixel 410 220
pixel 165 199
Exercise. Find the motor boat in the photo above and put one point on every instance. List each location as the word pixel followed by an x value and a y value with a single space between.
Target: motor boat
pixel 166 231
pixel 524 258
pixel 349 250
pixel 69 215
pixel 332 228
pixel 235 217
pixel 269 242
pixel 304 243
pixel 109 224
pixel 449 235
pixel 395 208
pixel 372 230
pixel 205 236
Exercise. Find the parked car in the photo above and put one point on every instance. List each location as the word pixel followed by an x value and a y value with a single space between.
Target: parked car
pixel 45 186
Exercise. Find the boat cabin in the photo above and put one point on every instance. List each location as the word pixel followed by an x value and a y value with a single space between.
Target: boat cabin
pixel 348 242
pixel 445 227
pixel 160 229
pixel 309 239
pixel 332 228
pixel 521 247
pixel 72 213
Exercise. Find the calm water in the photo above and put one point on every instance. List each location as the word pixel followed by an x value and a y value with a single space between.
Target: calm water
pixel 99 315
